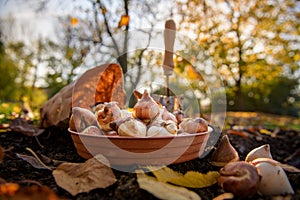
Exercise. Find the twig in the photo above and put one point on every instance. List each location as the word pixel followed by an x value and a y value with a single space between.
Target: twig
pixel 38 159
pixel 9 149
pixel 38 142
pixel 31 181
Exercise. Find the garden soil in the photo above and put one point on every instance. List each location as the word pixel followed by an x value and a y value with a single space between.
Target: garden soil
pixel 57 144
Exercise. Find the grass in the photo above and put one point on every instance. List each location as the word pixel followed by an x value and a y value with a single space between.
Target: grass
pixel 268 121
pixel 10 111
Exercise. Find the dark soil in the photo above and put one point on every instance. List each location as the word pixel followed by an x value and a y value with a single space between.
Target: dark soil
pixel 58 145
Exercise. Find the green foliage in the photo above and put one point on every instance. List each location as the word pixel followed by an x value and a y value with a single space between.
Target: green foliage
pixel 9 111
pixel 16 80
pixel 276 96
pixel 254 48
pixel 9 72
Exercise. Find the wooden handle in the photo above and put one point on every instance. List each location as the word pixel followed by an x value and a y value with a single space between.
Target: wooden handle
pixel 169 39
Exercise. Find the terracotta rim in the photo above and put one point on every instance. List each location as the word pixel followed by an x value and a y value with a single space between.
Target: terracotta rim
pixel 117 137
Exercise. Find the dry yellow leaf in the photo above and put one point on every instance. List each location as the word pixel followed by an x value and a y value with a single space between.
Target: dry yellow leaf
pixel 265 131
pixel 224 196
pixel 83 177
pixel 164 190
pixel 191 179
pixel 164 174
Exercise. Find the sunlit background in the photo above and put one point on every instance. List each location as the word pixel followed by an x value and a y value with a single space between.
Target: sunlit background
pixel 252 46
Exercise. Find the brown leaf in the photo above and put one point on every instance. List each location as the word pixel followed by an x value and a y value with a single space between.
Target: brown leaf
pixel 84 177
pixel 34 162
pixel 22 126
pixel 238 132
pixel 2 153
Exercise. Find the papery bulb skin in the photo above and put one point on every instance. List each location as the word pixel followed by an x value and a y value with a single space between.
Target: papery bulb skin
pixel 179 114
pixel 81 118
pixel 146 109
pixel 133 128
pixel 259 152
pixel 224 153
pixel 166 115
pixel 92 130
pixel 193 125
pixel 156 131
pixel 274 180
pixel 171 127
pixel 109 113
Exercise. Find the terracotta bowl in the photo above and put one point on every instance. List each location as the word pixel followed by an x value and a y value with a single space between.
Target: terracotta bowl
pixel 122 150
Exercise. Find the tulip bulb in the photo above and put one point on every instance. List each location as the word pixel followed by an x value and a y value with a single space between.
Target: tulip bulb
pixel 133 128
pixel 179 114
pixel 239 178
pixel 171 127
pixel 166 115
pixel 92 130
pixel 146 109
pixel 259 152
pixel 109 113
pixel 155 131
pixel 224 153
pixel 196 125
pixel 81 118
pixel 273 181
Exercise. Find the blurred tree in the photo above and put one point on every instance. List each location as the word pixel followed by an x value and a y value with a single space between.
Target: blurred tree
pixel 63 58
pixel 22 57
pixel 96 32
pixel 9 72
pixel 101 33
pixel 106 28
pixel 250 42
pixel 26 62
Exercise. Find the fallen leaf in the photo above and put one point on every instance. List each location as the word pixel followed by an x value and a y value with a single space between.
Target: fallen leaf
pixel 164 190
pixel 8 189
pixel 12 191
pixel 196 179
pixel 2 153
pixel 265 131
pixel 164 174
pixel 224 196
pixel 34 162
pixel 191 179
pixel 20 125
pixel 84 177
pixel 238 132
